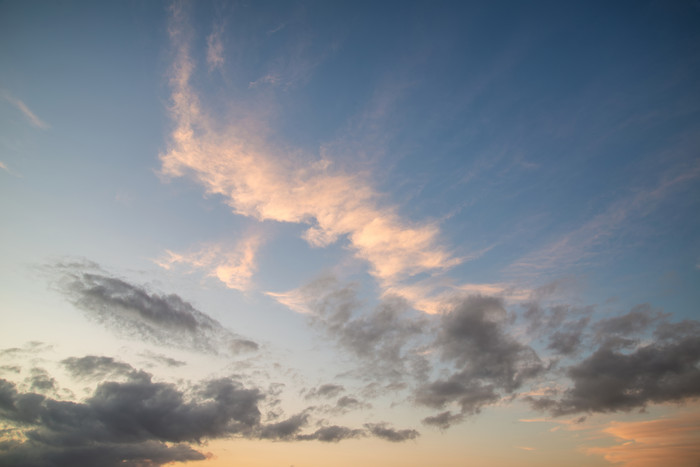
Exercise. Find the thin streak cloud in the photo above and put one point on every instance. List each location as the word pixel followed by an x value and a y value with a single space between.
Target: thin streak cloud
pixel 28 114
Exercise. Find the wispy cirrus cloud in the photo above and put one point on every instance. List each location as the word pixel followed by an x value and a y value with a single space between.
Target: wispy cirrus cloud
pixel 22 107
pixel 584 242
pixel 266 183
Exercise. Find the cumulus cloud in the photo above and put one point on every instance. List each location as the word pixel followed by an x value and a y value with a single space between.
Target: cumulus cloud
pixel 136 312
pixel 487 361
pixel 627 372
pixel 134 422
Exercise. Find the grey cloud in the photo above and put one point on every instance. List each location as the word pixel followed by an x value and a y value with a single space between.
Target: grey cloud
pixel 350 403
pixel 325 391
pixel 135 312
pixel 633 323
pixel 94 367
pixel 125 421
pixel 569 341
pixel 615 378
pixel 563 327
pixel 163 359
pixel 150 453
pixel 41 381
pixel 384 338
pixel 443 420
pixel 383 431
pixel 333 434
pixel 488 362
pixel 285 429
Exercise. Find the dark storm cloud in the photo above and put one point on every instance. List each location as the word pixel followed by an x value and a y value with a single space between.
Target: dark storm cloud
pixel 94 367
pixel 622 375
pixel 325 391
pixel 384 338
pixel 383 431
pixel 134 311
pixel 125 421
pixel 487 362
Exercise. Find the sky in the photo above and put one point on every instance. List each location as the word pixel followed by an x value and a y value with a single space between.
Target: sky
pixel 350 233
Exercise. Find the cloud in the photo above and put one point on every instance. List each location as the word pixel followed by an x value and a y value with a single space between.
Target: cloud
pixel 215 47
pixel 623 374
pixel 232 265
pixel 384 431
pixel 581 243
pixel 286 429
pixel 670 441
pixel 487 361
pixel 22 107
pixel 135 422
pixel 443 420
pixel 97 368
pixel 383 338
pixel 333 434
pixel 40 380
pixel 135 312
pixel 267 183
pixel 325 391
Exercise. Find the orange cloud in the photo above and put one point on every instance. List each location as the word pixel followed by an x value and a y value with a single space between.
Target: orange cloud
pixel 232 265
pixel 668 441
pixel 257 181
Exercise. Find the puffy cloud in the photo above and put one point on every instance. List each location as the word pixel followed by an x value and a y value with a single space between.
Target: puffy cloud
pixel 136 312
pixel 487 361
pixel 626 372
pixel 127 423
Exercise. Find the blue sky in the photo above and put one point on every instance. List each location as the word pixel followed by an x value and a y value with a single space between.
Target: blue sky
pixel 384 226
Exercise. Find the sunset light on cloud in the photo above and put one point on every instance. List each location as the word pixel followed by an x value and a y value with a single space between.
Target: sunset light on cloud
pixel 342 233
